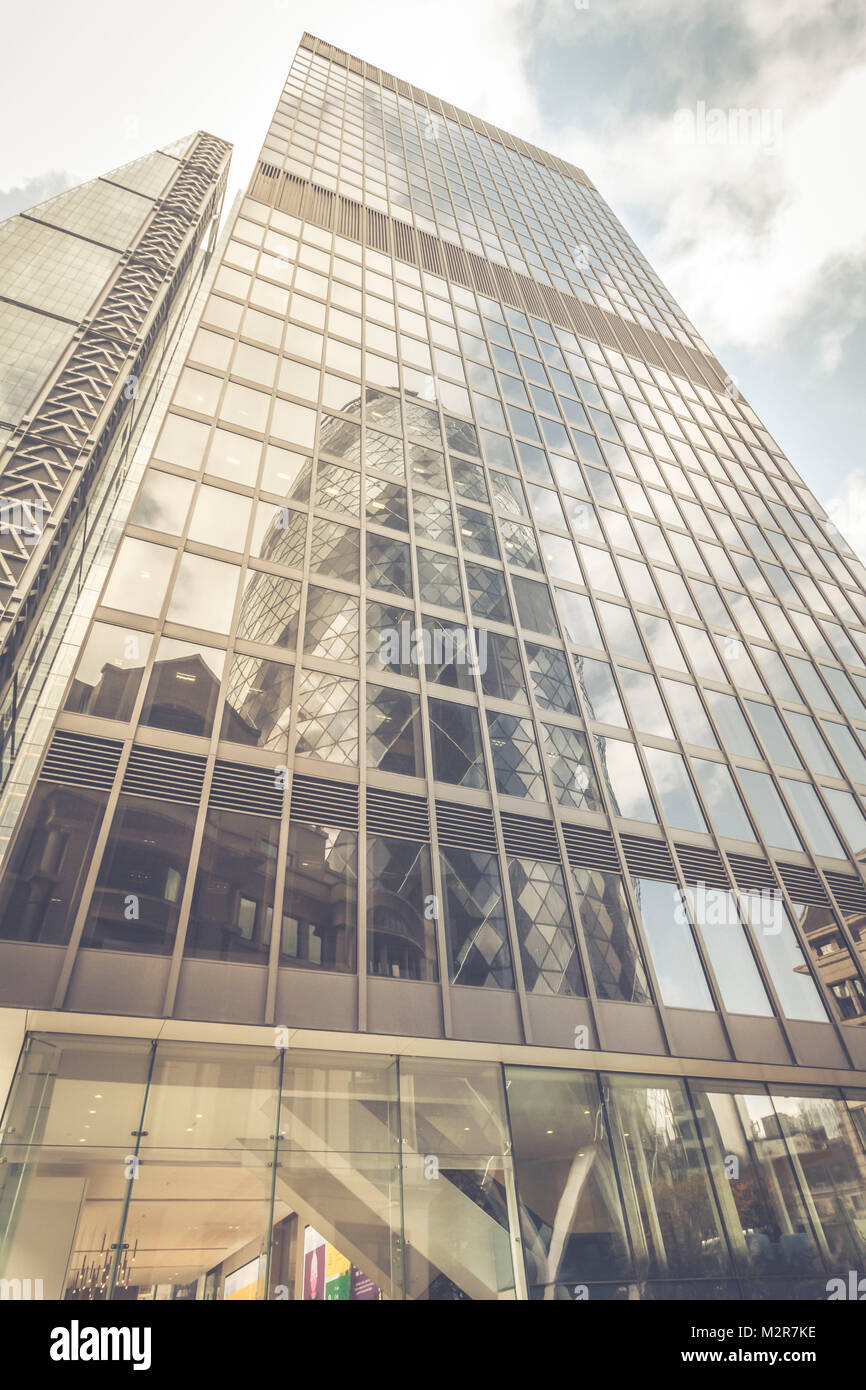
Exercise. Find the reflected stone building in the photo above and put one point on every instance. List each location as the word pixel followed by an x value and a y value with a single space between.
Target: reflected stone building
pixel 442 864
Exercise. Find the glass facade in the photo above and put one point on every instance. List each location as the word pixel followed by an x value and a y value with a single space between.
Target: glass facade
pixel 188 1171
pixel 473 666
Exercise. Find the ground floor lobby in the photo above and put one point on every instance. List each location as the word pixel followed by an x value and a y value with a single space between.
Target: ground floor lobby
pixel 207 1168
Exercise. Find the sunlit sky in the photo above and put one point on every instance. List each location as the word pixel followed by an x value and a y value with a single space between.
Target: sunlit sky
pixel 763 242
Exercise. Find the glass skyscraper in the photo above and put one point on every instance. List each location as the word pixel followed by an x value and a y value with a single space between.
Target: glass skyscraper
pixel 443 877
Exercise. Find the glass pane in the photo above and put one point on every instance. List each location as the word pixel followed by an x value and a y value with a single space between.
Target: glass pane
pixel 233 899
pixel 571 1215
pixel 826 1154
pixel 139 578
pixel 675 956
pixel 65 1160
pixel 320 901
pixel 204 593
pixel 674 789
pixel 48 862
pixel 394 731
pixel 200 1217
pixel 456 1226
pixel 571 768
pixel 833 959
pixel 258 702
pixel 401 910
pixel 516 763
pixel 339 1167
pixel 163 502
pixel 545 930
pixel 671 1211
pixel 767 1225
pixel 723 799
pixel 714 911
pixel 608 932
pixel 183 687
pixel 139 887
pixel 551 682
pixel 327 718
pixel 455 736
pixel 622 772
pixel 109 672
pixel 474 915
pixel 777 941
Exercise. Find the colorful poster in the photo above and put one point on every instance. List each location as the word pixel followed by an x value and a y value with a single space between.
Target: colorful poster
pixel 314 1264
pixel 338 1288
pixel 246 1282
pixel 329 1275
pixel 362 1286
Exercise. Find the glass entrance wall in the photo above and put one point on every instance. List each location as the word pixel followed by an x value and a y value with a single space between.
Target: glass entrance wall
pixel 137 1169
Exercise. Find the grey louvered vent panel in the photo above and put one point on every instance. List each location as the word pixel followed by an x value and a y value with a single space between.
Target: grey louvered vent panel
pixel 164 775
pixel 465 827
pixel 324 803
pixel 589 847
pixel 395 814
pixel 752 874
pixel 702 866
pixel 529 837
pixel 80 761
pixel 647 858
pixel 804 885
pixel 849 892
pixel 241 787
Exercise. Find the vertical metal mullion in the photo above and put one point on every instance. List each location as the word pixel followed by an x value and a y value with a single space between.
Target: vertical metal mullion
pixel 139 1135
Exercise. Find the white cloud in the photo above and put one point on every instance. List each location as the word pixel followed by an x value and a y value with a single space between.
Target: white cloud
pixel 847 510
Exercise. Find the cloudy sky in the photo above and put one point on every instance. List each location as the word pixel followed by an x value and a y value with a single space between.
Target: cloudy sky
pixel 758 227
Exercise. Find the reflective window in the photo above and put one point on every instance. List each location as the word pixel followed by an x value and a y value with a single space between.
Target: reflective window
pixel 516 762
pixel 599 691
pixel 183 687
pixel 551 683
pixel 692 723
pixel 777 941
pixel 478 950
pixel 500 667
pixel 571 768
pixel 139 887
pixel 605 920
pixel 548 951
pixel 723 799
pixel 675 957
pixel 455 736
pixel 220 518
pixel 139 578
pixel 204 593
pixel 826 1152
pixel 327 723
pixel 109 672
pixel 320 900
pixel 769 1229
pixel 714 910
pixel 674 789
pixel 571 1215
pixel 269 609
pixel 624 778
pixel 401 921
pixel 648 714
pixel 163 502
pixel 48 862
pixel 394 731
pixel 258 702
pixel 672 1213
pixel 233 900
